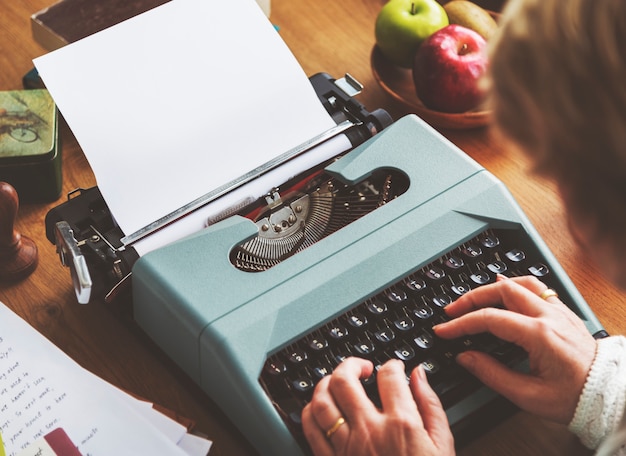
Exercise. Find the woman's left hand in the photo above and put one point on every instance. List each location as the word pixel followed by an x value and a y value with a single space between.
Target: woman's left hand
pixel 342 420
pixel 559 346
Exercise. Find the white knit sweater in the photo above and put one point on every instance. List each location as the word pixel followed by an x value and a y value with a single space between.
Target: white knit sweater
pixel 598 416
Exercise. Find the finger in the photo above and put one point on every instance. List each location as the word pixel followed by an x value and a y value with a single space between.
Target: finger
pixel 506 325
pixel 314 434
pixel 511 294
pixel 515 386
pixel 347 390
pixel 433 416
pixel 393 389
pixel 536 286
pixel 531 282
pixel 325 413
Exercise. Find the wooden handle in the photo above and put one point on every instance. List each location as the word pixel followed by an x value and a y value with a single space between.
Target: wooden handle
pixel 18 254
pixel 8 212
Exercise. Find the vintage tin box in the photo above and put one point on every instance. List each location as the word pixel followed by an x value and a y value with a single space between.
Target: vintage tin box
pixel 30 152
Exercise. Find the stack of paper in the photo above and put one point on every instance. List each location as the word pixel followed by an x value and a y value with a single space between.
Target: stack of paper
pixel 42 389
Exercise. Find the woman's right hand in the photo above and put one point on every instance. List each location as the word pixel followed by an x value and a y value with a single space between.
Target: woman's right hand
pixel 559 347
pixel 342 420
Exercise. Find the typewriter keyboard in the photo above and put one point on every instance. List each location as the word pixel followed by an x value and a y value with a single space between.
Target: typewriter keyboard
pixel 397 323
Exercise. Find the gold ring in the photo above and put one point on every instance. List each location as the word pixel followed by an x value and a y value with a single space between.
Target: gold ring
pixel 548 293
pixel 336 426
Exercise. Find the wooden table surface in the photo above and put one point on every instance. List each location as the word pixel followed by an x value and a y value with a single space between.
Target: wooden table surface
pixel 325 35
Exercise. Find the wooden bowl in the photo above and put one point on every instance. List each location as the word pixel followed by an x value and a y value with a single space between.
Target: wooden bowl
pixel 398 82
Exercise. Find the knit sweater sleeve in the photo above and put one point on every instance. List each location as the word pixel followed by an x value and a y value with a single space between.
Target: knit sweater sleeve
pixel 601 403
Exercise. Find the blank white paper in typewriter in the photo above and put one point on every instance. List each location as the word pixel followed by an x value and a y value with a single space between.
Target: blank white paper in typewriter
pixel 180 100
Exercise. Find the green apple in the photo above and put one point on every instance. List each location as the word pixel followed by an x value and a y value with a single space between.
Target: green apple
pixel 402 25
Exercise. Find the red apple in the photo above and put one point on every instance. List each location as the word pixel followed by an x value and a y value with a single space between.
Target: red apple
pixel 447 68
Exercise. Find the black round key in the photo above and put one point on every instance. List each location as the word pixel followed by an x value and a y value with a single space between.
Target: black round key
pixel 364 348
pixel 516 255
pixel 298 356
pixel 404 323
pixel 431 366
pixel 481 277
pixel 322 370
pixel 338 331
pixel 376 306
pixel 318 343
pixel 435 273
pixel 275 367
pixel 455 262
pixel 303 384
pixel 357 320
pixel 472 251
pixel 497 267
pixel 385 335
pixel 424 340
pixel 461 288
pixel 415 283
pixel 423 311
pixel 539 270
pixel 442 300
pixel 490 240
pixel 404 352
pixel 395 294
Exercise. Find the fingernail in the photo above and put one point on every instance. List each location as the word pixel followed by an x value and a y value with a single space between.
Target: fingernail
pixel 466 359
pixel 501 277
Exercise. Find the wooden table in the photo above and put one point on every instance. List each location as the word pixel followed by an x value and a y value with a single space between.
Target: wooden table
pixel 325 35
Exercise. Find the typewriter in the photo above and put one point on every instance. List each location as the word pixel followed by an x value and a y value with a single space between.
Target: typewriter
pixel 355 257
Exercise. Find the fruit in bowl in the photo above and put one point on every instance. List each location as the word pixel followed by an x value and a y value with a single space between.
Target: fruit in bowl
pixel 448 67
pixel 402 25
pixel 472 16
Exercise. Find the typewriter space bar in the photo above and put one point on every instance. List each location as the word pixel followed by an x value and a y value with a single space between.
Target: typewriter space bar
pixel 236 183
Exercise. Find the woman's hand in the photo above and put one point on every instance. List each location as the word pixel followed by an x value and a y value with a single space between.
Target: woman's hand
pixel 342 420
pixel 559 347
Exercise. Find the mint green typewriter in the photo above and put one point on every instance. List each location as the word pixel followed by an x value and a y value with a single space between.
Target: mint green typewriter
pixel 357 259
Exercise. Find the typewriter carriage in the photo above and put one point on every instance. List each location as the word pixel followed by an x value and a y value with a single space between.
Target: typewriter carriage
pixel 89 241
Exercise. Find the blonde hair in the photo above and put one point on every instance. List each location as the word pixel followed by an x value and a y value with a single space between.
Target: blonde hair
pixel 558 89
